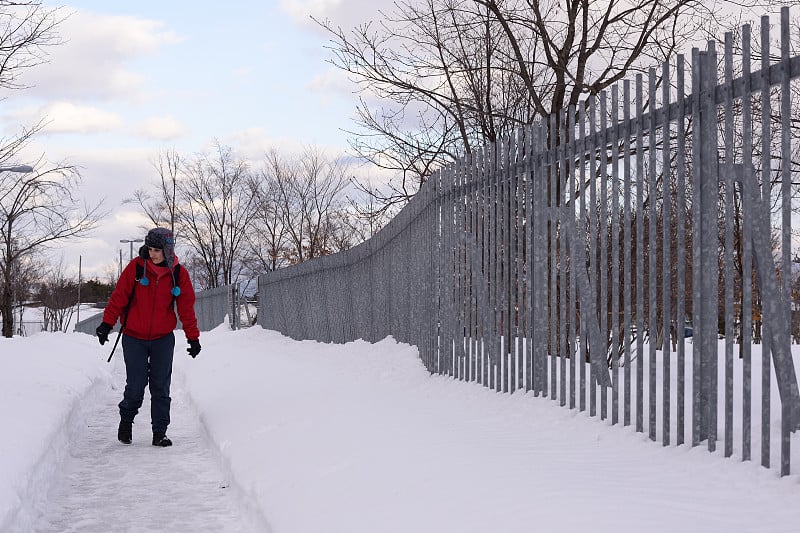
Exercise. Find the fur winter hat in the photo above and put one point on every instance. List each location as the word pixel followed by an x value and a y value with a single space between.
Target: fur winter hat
pixel 162 238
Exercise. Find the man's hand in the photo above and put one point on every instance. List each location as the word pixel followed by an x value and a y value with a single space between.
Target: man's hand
pixel 102 332
pixel 194 348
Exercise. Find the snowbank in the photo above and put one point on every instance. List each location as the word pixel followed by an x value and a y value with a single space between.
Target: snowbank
pixel 43 378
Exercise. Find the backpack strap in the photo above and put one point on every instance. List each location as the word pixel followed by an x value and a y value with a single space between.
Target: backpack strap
pixel 176 274
pixel 139 274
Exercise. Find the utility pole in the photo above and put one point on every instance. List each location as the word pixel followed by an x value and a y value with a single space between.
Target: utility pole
pixel 78 318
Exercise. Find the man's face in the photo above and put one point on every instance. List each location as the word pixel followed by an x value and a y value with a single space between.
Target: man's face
pixel 156 254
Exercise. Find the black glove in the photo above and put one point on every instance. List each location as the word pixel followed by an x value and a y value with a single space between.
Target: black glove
pixel 102 332
pixel 194 348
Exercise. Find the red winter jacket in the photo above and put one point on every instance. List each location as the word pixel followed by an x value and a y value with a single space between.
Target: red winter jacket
pixel 151 314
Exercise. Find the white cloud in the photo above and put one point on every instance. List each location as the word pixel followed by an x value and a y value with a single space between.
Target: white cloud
pixel 333 80
pixel 66 117
pixel 344 13
pixel 331 85
pixel 300 10
pixel 253 143
pixel 162 128
pixel 93 60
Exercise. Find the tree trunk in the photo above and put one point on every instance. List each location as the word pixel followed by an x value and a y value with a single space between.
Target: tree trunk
pixel 7 311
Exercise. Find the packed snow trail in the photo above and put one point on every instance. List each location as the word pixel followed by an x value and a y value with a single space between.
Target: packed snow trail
pixel 104 485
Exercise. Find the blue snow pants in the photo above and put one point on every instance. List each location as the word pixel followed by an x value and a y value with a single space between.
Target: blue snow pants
pixel 148 361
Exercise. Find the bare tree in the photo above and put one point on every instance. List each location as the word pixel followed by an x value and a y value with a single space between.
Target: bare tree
pixel 161 207
pixel 58 295
pixel 322 179
pixel 215 209
pixel 268 241
pixel 27 29
pixel 236 222
pixel 111 272
pixel 37 210
pixel 368 213
pixel 430 74
pixel 309 197
pixel 442 77
pixel 28 271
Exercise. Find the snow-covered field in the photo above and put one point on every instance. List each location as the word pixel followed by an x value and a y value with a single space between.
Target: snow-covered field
pixel 33 320
pixel 311 437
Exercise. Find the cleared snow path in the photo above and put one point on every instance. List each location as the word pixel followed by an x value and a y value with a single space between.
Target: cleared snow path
pixel 104 485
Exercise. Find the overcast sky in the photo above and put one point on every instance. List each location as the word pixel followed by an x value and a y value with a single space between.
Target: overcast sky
pixel 133 78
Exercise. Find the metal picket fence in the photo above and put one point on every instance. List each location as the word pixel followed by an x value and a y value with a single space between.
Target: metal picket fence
pixel 572 258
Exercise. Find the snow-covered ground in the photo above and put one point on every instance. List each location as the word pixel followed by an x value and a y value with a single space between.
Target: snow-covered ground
pixel 277 435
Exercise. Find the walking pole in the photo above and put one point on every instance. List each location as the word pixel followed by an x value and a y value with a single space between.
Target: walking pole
pixel 116 342
pixel 124 321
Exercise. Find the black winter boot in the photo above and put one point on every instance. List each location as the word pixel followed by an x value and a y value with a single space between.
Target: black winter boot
pixel 161 439
pixel 125 432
